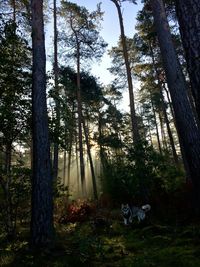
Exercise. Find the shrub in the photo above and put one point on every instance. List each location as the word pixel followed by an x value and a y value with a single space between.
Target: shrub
pixel 78 211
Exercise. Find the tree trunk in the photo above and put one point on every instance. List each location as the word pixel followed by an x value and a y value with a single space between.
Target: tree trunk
pixel 169 101
pixel 187 128
pixel 70 148
pixel 13 3
pixel 64 166
pixel 185 163
pixel 164 108
pixel 162 130
pixel 77 166
pixel 82 165
pixel 149 130
pixel 79 102
pixel 8 155
pixel 188 13
pixel 156 124
pixel 169 129
pixel 42 195
pixel 69 162
pixel 135 131
pixel 102 152
pixel 91 161
pixel 55 161
pixel 57 103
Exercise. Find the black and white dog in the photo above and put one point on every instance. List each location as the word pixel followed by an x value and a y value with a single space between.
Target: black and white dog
pixel 129 212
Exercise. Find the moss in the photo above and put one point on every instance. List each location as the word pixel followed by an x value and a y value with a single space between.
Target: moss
pixel 80 245
pixel 177 256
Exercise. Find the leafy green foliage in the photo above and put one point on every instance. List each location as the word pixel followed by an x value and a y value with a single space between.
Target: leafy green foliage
pixel 19 192
pixel 91 97
pixel 15 117
pixel 15 84
pixel 137 175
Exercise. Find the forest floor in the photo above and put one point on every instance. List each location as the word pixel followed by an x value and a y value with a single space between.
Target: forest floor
pixel 100 243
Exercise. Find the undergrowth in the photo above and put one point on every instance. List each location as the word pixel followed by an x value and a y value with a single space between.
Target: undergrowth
pixel 109 244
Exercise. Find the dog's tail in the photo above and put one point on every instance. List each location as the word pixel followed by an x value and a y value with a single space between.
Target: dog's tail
pixel 146 207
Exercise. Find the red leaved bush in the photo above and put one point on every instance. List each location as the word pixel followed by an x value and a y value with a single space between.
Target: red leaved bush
pixel 78 211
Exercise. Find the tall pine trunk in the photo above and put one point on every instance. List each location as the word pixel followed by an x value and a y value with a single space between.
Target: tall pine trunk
pixel 79 103
pixel 134 124
pixel 77 165
pixel 156 124
pixel 171 139
pixel 91 161
pixel 80 119
pixel 188 177
pixel 42 195
pixel 71 138
pixel 57 103
pixel 164 108
pixel 69 162
pixel 188 13
pixel 64 166
pixel 162 130
pixel 187 128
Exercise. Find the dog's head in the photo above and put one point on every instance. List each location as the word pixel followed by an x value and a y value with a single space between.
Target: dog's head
pixel 125 209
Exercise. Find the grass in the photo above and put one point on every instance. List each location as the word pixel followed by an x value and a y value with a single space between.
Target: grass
pixel 81 244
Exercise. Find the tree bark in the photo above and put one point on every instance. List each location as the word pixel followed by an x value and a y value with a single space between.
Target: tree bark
pixel 91 161
pixel 77 165
pixel 187 128
pixel 164 108
pixel 149 130
pixel 188 13
pixel 13 4
pixel 57 103
pixel 168 128
pixel 79 102
pixel 134 123
pixel 80 119
pixel 185 163
pixel 69 162
pixel 64 166
pixel 156 124
pixel 162 130
pixel 42 195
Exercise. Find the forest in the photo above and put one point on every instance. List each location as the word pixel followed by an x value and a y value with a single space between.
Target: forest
pixel 84 182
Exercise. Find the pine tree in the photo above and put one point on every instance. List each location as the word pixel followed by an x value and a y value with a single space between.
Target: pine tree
pixel 135 131
pixel 188 131
pixel 42 195
pixel 85 40
pixel 188 13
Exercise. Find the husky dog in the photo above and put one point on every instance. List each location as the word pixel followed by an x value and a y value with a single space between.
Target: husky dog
pixel 129 213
